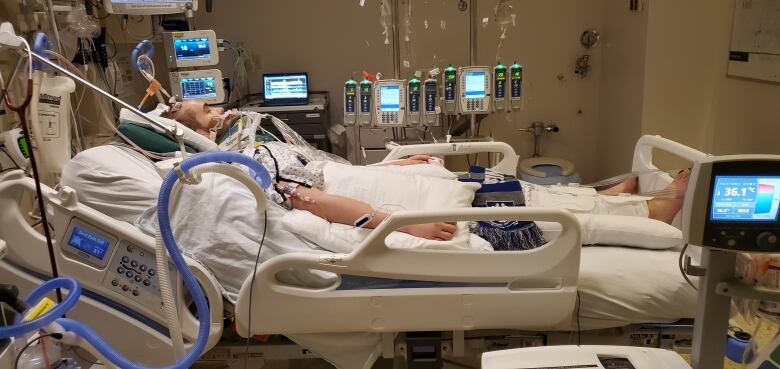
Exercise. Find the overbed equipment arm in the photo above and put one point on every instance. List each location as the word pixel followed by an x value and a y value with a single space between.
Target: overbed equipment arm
pixel 486 290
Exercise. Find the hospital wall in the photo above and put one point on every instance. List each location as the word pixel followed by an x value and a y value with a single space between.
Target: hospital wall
pixel 688 95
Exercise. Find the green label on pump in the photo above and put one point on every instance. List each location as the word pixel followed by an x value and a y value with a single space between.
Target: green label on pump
pixel 24 146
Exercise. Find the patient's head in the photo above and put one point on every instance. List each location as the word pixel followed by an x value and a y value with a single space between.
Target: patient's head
pixel 200 117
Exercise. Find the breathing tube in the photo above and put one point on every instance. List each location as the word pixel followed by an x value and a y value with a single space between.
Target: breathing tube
pixel 256 171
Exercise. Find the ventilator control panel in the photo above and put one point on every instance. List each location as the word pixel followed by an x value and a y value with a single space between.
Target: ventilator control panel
pixel 204 85
pixel 474 90
pixel 733 203
pixel 390 103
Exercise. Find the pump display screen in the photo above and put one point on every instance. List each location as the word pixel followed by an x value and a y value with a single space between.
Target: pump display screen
pixel 286 86
pixel 389 98
pixel 192 48
pixel 89 242
pixel 198 88
pixel 475 84
pixel 745 198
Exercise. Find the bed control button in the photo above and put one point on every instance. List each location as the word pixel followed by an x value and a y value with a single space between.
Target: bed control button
pixel 120 270
pixel 130 248
pixel 138 278
pixel 136 293
pixel 125 259
pixel 732 242
pixel 133 263
pixel 115 283
pixel 147 282
pixel 129 274
pixel 151 272
pixel 143 268
pixel 767 241
pixel 125 288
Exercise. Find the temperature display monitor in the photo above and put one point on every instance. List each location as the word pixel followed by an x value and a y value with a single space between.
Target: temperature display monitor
pixel 745 198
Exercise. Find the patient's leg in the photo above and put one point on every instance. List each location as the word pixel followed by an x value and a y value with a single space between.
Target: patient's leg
pixel 666 207
pixel 629 185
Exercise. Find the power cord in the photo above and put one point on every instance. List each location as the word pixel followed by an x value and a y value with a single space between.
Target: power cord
pixel 56 336
pixel 579 330
pixel 252 289
pixel 682 267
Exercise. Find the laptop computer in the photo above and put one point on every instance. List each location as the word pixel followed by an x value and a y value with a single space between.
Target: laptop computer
pixel 286 88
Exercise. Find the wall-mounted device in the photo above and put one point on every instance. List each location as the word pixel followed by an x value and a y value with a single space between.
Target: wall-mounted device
pixel 350 102
pixel 149 7
pixel 431 108
pixel 516 85
pixel 366 103
pixel 205 85
pixel 190 48
pixel 413 108
pixel 390 103
pixel 450 82
pixel 474 90
pixel 499 87
pixel 734 203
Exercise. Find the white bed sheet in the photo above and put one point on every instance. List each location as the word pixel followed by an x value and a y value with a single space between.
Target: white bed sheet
pixel 620 286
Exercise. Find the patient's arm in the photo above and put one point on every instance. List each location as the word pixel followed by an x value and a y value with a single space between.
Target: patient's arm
pixel 344 210
pixel 412 160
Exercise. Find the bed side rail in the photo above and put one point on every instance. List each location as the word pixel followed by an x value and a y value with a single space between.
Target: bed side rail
pixel 507 164
pixel 643 151
pixel 27 248
pixel 531 289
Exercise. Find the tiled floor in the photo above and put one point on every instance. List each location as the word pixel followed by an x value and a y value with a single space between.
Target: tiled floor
pixel 763 337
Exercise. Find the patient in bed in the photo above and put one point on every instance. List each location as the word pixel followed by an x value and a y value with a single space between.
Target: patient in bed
pixel 298 185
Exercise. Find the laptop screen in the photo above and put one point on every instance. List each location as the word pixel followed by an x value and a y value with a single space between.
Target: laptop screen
pixel 286 87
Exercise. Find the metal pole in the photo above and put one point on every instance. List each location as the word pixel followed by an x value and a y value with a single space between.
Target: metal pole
pixel 102 92
pixel 397 52
pixel 473 57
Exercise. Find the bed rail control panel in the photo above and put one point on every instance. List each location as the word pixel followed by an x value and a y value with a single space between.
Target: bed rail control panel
pixel 110 265
pixel 734 202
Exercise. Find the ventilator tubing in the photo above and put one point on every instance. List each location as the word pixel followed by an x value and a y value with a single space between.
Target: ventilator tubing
pixel 257 172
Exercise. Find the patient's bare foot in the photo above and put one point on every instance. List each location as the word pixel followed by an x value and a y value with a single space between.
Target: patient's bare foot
pixel 627 186
pixel 666 206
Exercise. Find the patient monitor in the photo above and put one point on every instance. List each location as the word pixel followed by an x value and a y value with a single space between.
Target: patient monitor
pixel 516 85
pixel 205 85
pixel 474 90
pixel 390 103
pixel 190 48
pixel 149 7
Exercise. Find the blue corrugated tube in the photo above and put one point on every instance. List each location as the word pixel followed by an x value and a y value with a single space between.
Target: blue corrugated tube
pixel 258 173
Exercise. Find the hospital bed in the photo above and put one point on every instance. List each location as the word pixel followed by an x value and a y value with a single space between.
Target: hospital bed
pixel 446 291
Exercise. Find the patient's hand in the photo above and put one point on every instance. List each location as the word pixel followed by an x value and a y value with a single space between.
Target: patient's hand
pixel 412 160
pixel 432 231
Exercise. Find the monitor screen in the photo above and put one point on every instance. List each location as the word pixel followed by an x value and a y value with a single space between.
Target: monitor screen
pixel 192 48
pixel 288 86
pixel 475 84
pixel 745 198
pixel 89 242
pixel 390 98
pixel 198 88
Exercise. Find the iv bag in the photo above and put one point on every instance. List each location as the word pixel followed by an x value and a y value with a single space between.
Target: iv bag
pixel 54 123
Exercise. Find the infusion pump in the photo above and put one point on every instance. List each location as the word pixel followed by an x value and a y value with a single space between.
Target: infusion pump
pixel 474 90
pixel 390 103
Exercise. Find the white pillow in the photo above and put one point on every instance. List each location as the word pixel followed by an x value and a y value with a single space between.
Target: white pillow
pixel 425 170
pixel 382 189
pixel 342 238
pixel 191 138
pixel 628 231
